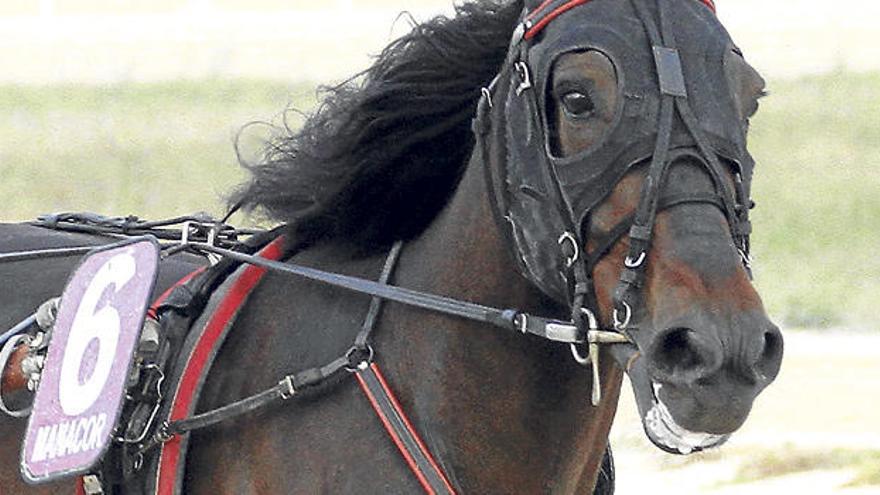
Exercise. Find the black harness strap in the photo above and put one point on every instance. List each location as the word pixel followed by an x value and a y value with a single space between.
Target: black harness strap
pixel 285 389
pixel 510 319
pixel 363 337
pixel 44 254
pixel 385 404
pixel 294 383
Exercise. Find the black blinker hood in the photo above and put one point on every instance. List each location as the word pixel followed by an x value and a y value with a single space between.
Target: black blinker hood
pixel 539 196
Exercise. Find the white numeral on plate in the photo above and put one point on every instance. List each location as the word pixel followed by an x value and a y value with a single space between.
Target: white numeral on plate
pixel 94 323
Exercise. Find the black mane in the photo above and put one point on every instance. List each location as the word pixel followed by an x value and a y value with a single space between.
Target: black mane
pixel 383 152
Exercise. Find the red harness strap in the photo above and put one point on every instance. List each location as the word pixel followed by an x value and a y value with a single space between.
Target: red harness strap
pixel 198 363
pixel 536 21
pixel 161 299
pixel 401 431
pixel 79 488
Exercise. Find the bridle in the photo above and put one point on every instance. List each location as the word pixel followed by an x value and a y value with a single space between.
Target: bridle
pixel 639 227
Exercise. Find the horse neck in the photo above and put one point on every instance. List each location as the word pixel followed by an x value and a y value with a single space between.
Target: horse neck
pixel 501 411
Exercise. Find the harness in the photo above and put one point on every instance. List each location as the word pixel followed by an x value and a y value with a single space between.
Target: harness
pixel 545 232
pixel 165 472
pixel 195 316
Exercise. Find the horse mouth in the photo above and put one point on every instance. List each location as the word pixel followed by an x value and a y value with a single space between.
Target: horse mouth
pixel 668 435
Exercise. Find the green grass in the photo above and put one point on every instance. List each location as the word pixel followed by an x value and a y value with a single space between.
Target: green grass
pixel 148 149
pixel 817 142
pixel 166 148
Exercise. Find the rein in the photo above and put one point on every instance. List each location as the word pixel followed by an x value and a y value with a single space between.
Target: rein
pixel 509 319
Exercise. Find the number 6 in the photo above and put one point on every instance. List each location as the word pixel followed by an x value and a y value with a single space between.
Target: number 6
pixel 93 323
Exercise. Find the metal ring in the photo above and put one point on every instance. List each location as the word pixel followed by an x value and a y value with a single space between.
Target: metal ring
pixel 591 318
pixel 5 354
pixel 523 322
pixel 164 434
pixel 621 325
pixel 630 263
pixel 568 236
pixel 581 360
pixel 363 364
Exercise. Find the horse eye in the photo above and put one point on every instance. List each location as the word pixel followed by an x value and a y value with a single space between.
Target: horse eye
pixel 577 104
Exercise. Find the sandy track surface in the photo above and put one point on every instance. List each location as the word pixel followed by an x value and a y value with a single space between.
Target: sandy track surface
pixel 827 396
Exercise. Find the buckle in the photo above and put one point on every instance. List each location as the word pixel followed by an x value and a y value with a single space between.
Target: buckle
pixel 288 390
pixel 522 71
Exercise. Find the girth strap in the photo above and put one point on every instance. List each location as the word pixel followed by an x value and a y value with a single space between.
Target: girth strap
pixel 401 431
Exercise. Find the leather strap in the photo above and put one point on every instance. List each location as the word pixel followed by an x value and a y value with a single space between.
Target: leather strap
pixel 674 101
pixel 401 431
pixel 510 319
pixel 45 254
pixel 363 337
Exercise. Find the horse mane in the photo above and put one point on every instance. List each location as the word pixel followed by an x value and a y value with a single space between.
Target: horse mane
pixel 382 153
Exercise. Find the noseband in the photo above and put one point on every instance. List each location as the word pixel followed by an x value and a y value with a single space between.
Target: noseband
pixel 577 267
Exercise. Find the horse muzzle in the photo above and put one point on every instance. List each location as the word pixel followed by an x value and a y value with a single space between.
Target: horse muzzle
pixel 693 388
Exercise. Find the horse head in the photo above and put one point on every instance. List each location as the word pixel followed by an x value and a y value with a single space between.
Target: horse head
pixel 615 141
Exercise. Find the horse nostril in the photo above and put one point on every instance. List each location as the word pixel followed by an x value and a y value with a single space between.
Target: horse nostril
pixel 679 356
pixel 771 355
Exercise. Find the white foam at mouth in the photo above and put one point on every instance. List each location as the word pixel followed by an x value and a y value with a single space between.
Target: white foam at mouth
pixel 664 430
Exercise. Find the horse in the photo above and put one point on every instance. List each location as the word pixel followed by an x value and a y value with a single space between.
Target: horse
pixel 584 160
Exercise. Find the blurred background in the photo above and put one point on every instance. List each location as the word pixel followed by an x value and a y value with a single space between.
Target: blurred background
pixel 133 107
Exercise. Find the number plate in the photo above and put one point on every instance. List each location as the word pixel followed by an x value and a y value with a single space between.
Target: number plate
pixel 83 383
